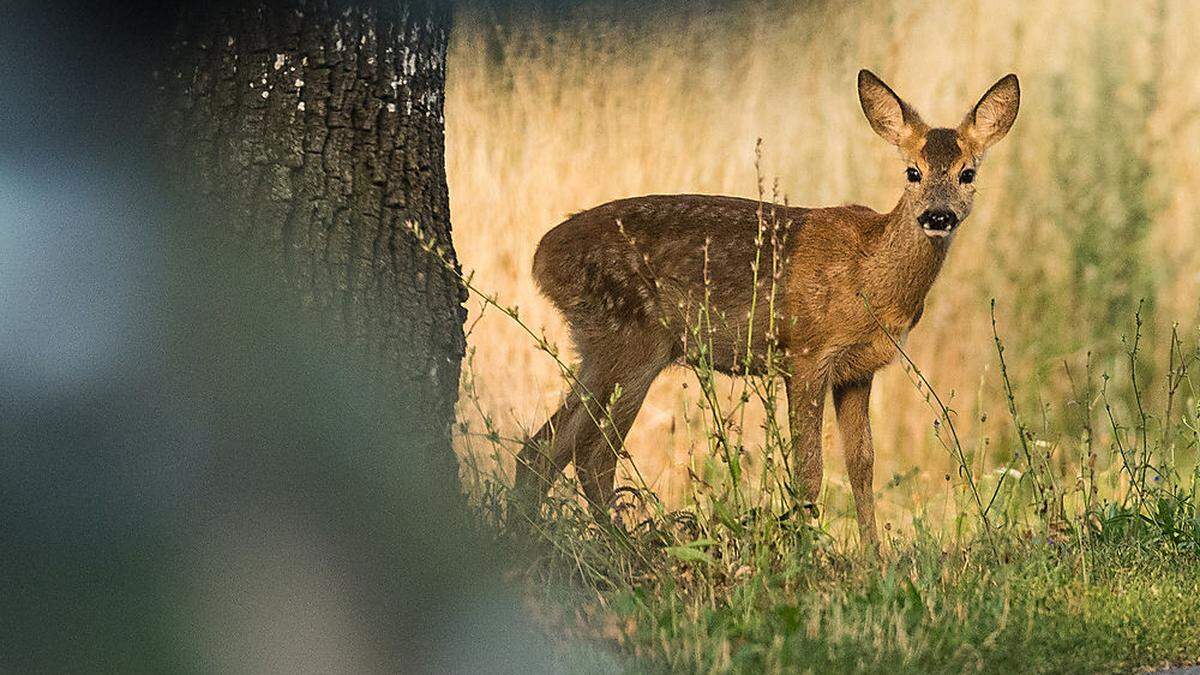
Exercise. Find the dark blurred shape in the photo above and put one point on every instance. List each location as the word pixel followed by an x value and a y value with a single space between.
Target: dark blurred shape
pixel 195 473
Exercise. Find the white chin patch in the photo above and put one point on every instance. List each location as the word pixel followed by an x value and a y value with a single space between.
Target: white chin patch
pixel 937 234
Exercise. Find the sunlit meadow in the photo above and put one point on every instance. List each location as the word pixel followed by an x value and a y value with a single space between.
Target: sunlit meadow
pixel 1089 207
pixel 1035 446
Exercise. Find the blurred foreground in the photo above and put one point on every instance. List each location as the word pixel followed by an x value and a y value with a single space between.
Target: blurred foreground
pixel 195 478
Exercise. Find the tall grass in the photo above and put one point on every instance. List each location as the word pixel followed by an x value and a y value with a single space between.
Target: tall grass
pixel 1036 441
pixel 1085 211
pixel 1072 550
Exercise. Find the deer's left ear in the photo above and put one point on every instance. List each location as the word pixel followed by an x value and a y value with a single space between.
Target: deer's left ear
pixel 893 119
pixel 995 113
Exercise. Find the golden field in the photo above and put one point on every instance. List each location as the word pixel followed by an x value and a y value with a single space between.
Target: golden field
pixel 1088 206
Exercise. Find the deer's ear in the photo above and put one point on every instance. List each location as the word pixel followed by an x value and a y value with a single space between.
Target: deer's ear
pixel 893 119
pixel 995 113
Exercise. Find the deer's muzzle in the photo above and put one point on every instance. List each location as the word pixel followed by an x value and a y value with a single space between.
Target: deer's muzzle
pixel 938 222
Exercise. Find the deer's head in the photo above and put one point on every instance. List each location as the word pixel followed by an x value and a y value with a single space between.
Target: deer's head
pixel 940 163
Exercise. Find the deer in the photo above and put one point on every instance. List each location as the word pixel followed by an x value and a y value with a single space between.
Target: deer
pixel 852 284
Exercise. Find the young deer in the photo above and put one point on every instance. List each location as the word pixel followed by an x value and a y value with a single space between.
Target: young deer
pixel 627 276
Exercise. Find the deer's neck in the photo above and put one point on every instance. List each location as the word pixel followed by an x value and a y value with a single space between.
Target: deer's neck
pixel 907 263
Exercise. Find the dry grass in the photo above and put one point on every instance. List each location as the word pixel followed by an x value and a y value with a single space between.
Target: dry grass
pixel 551 114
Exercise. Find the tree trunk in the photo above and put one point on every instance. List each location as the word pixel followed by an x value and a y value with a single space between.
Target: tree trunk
pixel 317 131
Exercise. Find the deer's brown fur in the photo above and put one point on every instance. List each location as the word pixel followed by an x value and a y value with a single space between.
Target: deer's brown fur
pixel 633 277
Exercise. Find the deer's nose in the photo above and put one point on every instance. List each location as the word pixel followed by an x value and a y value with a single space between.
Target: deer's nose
pixel 938 219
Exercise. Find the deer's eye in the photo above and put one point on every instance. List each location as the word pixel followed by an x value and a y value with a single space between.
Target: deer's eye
pixel 967 176
pixel 913 173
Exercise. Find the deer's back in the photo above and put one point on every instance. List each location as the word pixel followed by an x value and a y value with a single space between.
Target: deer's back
pixel 680 264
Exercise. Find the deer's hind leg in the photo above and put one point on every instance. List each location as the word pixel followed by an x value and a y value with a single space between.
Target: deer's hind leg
pixel 596 456
pixel 542 459
pixel 591 425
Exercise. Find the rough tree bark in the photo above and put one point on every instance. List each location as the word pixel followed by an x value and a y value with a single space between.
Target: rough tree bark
pixel 318 129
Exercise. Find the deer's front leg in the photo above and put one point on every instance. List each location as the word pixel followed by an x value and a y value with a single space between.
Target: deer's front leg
pixel 851 401
pixel 806 405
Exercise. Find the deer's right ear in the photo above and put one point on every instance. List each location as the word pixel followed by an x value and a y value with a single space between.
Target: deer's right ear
pixel 893 119
pixel 995 113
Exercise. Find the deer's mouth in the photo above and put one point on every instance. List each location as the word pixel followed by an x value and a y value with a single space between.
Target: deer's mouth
pixel 938 223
